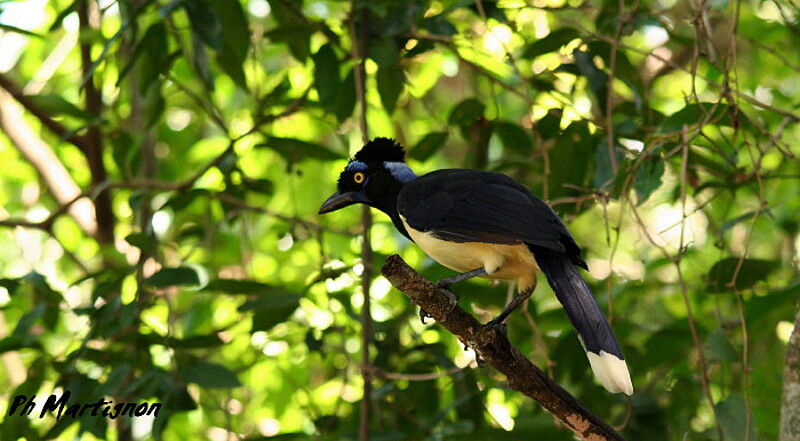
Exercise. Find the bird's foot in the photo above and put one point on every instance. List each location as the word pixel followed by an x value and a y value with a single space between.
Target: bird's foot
pixel 453 297
pixel 424 315
pixel 499 325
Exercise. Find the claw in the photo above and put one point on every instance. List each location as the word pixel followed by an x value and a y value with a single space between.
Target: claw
pixel 500 326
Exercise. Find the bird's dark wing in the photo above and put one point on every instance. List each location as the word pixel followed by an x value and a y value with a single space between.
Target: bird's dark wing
pixel 480 206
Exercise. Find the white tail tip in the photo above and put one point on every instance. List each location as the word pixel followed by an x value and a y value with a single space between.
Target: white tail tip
pixel 611 371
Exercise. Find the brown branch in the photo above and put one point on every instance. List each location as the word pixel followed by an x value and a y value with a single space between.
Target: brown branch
pixel 358 36
pixel 54 174
pixel 492 345
pixel 93 150
pixel 790 403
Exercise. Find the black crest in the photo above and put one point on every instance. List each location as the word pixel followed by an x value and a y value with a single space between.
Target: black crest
pixel 380 150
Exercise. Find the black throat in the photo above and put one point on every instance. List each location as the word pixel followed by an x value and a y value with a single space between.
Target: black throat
pixel 385 187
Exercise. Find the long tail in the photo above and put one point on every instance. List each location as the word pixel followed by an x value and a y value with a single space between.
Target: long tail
pixel 594 332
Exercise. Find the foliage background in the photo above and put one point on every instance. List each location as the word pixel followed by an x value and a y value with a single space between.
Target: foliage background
pixel 205 134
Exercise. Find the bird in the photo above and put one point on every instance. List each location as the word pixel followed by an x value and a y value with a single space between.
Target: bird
pixel 484 224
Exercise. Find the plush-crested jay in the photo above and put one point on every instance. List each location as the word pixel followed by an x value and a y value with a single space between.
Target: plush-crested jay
pixel 485 224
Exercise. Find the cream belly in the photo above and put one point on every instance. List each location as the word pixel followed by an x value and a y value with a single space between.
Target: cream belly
pixel 500 261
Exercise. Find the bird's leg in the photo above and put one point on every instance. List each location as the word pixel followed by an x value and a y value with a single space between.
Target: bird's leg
pixel 515 302
pixel 445 283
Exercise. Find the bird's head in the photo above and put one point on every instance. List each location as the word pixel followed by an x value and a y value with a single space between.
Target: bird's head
pixel 374 177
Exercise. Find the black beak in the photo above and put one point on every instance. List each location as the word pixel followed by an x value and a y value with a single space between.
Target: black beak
pixel 341 200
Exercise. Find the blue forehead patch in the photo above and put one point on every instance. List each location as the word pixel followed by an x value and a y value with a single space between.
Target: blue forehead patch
pixel 356 166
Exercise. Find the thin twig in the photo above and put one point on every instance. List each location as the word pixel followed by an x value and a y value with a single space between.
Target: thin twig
pixel 358 36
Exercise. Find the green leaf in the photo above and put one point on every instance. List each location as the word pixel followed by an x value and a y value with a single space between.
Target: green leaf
pixel 194 341
pixel 346 97
pixel 727 225
pixel 173 276
pixel 550 125
pixel 552 42
pixel 143 241
pixel 598 79
pixel 235 39
pixel 154 63
pixel 390 86
pixel 733 416
pixel 205 23
pixel 571 159
pixel 184 199
pixel 57 105
pixel 238 286
pixel 210 375
pixel 428 145
pixel 603 171
pixel 719 348
pixel 326 77
pixel 295 150
pixel 263 186
pixel 385 53
pixel 201 63
pixel 514 138
pixel 297 37
pixel 694 114
pixel 153 105
pixel 294 29
pixel 271 310
pixel 9 28
pixel 63 14
pixel 751 271
pixel 466 112
pixel 648 176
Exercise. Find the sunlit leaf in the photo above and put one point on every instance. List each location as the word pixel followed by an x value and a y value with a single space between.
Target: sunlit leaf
pixel 598 79
pixel 552 42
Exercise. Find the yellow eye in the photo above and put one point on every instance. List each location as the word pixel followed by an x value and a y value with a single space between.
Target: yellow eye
pixel 358 177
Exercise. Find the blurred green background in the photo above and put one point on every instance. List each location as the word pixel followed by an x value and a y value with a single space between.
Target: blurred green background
pixel 164 160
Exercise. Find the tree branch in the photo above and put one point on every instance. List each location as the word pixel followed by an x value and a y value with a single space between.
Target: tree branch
pixel 790 404
pixel 58 180
pixel 358 35
pixel 94 138
pixel 492 345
